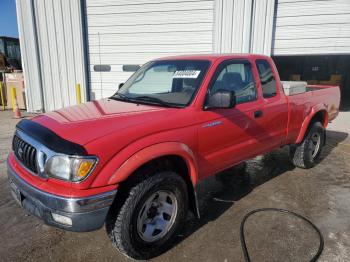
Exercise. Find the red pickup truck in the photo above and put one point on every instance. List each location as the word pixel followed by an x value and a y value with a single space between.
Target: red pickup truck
pixel 132 161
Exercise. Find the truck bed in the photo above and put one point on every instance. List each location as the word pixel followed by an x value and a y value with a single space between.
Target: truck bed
pixel 301 105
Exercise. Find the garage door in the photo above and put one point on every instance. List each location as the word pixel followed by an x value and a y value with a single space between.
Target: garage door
pixel 312 27
pixel 135 31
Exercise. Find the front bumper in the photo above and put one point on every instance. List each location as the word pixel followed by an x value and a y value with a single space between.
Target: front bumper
pixel 86 214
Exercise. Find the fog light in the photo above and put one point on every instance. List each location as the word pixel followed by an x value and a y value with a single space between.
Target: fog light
pixel 62 219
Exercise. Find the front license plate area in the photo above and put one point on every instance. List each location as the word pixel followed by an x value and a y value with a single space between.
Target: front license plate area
pixel 16 193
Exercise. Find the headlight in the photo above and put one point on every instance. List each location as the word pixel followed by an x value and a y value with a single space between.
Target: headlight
pixel 69 167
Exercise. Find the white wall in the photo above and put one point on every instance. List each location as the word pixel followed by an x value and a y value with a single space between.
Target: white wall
pixel 30 61
pixel 243 26
pixel 136 31
pixel 312 27
pixel 51 37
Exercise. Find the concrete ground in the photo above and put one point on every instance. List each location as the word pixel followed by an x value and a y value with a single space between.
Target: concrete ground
pixel 321 194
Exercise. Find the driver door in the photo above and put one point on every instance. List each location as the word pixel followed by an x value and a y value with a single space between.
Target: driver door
pixel 228 136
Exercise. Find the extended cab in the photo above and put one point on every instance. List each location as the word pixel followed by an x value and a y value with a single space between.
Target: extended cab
pixel 132 161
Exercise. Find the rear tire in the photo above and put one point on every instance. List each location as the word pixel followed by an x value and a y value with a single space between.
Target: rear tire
pixel 152 214
pixel 306 154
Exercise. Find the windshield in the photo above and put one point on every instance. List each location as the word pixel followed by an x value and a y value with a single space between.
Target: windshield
pixel 165 82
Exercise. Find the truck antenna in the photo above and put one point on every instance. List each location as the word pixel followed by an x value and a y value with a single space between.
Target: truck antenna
pixel 99 55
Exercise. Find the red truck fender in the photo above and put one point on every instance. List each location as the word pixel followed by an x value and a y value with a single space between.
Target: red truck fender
pixel 320 111
pixel 159 150
pixel 152 152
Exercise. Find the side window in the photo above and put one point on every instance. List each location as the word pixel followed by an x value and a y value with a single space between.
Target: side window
pixel 268 82
pixel 236 77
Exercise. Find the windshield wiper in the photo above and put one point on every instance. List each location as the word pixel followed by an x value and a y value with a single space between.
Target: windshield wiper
pixel 153 100
pixel 150 99
pixel 121 96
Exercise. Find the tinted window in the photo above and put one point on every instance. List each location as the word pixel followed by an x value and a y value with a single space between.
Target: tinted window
pixel 268 82
pixel 236 77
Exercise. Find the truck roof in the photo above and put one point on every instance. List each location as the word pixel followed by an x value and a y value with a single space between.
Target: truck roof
pixel 213 57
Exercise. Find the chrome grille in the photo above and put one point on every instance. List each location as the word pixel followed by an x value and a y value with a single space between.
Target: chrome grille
pixel 25 153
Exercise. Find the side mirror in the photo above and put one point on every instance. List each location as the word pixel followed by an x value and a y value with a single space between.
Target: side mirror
pixel 120 85
pixel 221 99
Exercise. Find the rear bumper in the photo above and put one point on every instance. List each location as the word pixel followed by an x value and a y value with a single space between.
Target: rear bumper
pixel 85 214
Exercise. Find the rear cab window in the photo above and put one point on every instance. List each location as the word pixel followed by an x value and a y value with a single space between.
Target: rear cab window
pixel 267 78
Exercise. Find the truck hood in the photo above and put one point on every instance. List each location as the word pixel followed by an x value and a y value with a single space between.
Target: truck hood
pixel 84 123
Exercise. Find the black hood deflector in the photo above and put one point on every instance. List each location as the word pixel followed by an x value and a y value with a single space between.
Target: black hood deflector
pixel 50 139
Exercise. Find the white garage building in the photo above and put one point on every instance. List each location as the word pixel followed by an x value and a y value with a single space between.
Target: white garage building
pixel 62 41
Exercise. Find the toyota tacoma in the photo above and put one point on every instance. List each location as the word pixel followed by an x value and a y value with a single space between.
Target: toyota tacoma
pixel 132 161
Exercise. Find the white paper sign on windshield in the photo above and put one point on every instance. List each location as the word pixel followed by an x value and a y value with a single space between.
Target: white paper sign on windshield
pixel 186 74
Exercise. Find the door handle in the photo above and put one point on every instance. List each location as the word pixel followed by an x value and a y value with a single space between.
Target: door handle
pixel 258 114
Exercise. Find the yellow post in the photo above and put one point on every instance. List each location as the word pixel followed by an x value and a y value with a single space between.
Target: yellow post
pixel 2 97
pixel 13 97
pixel 78 93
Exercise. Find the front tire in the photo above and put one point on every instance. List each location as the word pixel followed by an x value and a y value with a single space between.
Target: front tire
pixel 306 154
pixel 150 217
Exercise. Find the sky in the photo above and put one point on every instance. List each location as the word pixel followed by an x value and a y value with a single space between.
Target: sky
pixel 8 18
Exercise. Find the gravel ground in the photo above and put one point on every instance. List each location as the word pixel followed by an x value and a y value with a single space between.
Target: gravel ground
pixel 321 194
